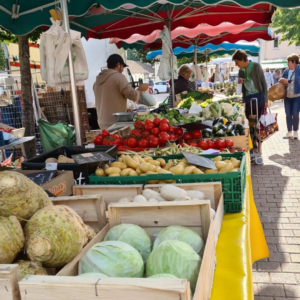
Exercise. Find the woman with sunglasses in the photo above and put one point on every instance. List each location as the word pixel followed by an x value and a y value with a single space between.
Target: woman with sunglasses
pixel 291 78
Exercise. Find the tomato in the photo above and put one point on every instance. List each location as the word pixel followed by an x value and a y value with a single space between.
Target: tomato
pixel 124 142
pixel 219 144
pixel 203 145
pixel 135 133
pixel 228 143
pixel 187 137
pixel 148 122
pixel 172 129
pixel 139 125
pixel 105 133
pixel 162 141
pixel 179 131
pixel 172 137
pixel 197 134
pixel 150 137
pixel 149 126
pixel 193 144
pixel 211 144
pixel 132 142
pixel 115 142
pixel 163 134
pixel 165 121
pixel 117 137
pixel 155 131
pixel 164 127
pixel 98 140
pixel 143 143
pixel 156 122
pixel 106 143
pixel 145 135
pixel 154 142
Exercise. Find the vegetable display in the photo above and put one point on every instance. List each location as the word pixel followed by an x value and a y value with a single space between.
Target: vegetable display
pixel 11 239
pixel 20 196
pixel 133 235
pixel 55 235
pixel 176 258
pixel 114 259
pixel 31 268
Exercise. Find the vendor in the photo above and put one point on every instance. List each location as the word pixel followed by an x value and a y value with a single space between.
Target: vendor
pixel 182 84
pixel 112 90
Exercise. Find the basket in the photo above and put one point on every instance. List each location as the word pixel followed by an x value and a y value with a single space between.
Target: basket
pixel 233 183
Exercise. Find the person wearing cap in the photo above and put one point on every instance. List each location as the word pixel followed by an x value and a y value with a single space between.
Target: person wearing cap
pixel 112 90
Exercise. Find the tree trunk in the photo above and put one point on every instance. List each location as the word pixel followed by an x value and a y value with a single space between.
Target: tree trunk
pixel 27 100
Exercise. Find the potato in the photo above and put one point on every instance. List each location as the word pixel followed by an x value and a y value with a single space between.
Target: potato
pixel 119 165
pixel 136 158
pixel 220 164
pixel 197 171
pixel 143 174
pixel 141 160
pixel 133 173
pixel 147 158
pixel 114 175
pixel 125 172
pixel 100 172
pixel 157 168
pixel 169 165
pixel 112 170
pixel 105 166
pixel 217 158
pixel 178 170
pixel 138 171
pixel 211 171
pixel 154 162
pixel 150 172
pixel 161 182
pixel 152 181
pixel 131 162
pixel 162 162
pixel 188 170
pixel 235 170
pixel 163 171
pixel 235 162
pixel 145 167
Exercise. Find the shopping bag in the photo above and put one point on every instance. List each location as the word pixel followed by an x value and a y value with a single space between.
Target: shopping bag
pixel 268 125
pixel 277 92
pixel 147 99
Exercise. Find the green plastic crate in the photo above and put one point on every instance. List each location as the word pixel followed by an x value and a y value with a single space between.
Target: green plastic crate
pixel 233 183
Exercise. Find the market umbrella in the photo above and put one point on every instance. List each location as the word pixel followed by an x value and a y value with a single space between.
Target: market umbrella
pixel 200 35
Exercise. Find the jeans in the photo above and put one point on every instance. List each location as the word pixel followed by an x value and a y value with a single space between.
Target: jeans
pixel 260 103
pixel 292 107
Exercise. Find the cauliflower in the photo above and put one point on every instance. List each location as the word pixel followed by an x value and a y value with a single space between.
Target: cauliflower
pixel 241 110
pixel 207 113
pixel 227 110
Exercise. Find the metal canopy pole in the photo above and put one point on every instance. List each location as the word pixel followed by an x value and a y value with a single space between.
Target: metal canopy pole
pixel 64 9
pixel 171 61
pixel 195 64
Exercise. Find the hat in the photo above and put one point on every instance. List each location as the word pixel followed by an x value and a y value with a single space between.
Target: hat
pixel 116 58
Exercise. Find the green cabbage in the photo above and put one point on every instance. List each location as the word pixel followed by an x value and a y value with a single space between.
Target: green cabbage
pixel 182 234
pixel 114 259
pixel 215 109
pixel 133 235
pixel 176 258
pixel 97 275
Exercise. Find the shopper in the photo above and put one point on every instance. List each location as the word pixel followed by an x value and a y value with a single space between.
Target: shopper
pixel 112 90
pixel 276 76
pixel 291 78
pixel 182 84
pixel 254 85
pixel 269 78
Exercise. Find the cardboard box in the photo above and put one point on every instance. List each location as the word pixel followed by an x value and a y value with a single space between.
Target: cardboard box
pixel 61 185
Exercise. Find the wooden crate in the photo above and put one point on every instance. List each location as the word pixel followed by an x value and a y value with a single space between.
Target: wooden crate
pixel 90 135
pixel 90 208
pixel 152 217
pixel 110 193
pixel 123 132
pixel 213 193
pixel 9 278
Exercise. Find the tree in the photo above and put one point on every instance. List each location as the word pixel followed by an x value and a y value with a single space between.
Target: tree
pixel 26 83
pixel 286 21
pixel 2 58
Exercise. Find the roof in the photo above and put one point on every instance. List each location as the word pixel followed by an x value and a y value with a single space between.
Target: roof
pixel 137 67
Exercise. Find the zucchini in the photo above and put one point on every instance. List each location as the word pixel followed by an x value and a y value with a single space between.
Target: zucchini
pixel 207 133
pixel 216 120
pixel 217 126
pixel 240 128
pixel 220 133
pixel 231 133
pixel 230 127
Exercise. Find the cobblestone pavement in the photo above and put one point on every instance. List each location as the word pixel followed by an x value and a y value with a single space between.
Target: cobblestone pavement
pixel 276 187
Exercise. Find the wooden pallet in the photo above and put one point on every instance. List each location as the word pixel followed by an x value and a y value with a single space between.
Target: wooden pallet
pixel 152 217
pixel 9 278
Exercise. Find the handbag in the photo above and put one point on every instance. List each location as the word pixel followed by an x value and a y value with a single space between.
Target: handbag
pixel 277 92
pixel 267 124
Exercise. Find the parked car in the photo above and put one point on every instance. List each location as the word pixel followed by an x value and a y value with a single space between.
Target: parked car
pixel 160 87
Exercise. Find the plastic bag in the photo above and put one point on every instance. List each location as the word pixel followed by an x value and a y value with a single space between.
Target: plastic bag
pixel 56 135
pixel 147 99
pixel 277 92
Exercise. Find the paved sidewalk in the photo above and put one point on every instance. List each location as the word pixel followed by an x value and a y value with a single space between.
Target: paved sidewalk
pixel 276 187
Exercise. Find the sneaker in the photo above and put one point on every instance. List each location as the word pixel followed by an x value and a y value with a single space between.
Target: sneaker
pixel 296 135
pixel 289 135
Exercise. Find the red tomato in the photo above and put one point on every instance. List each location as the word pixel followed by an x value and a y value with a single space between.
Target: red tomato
pixel 143 143
pixel 219 144
pixel 193 144
pixel 132 142
pixel 145 135
pixel 105 133
pixel 150 137
pixel 124 142
pixel 154 142
pixel 139 124
pixel 148 122
pixel 155 131
pixel 149 126
pixel 106 143
pixel 228 143
pixel 135 133
pixel 197 134
pixel 172 137
pixel 164 121
pixel 115 142
pixel 164 127
pixel 203 145
pixel 156 122
pixel 117 137
pixel 162 141
pixel 172 129
pixel 98 140
pixel 187 137
pixel 179 131
pixel 211 144
pixel 163 134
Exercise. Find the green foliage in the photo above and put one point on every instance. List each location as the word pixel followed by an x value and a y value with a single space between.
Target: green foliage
pixel 6 36
pixel 140 55
pixel 286 21
pixel 132 55
pixel 2 59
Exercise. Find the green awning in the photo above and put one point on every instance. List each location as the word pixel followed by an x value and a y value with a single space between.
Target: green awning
pixel 274 65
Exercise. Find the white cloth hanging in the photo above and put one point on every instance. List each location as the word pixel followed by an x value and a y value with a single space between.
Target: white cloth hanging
pixel 196 74
pixel 164 71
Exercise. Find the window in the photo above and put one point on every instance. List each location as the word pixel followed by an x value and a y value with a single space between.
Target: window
pixel 276 43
